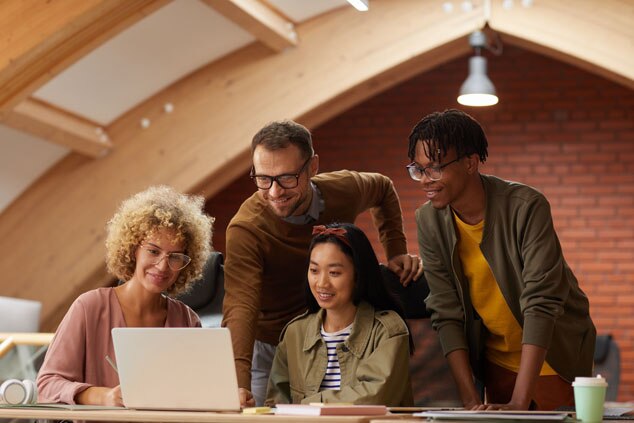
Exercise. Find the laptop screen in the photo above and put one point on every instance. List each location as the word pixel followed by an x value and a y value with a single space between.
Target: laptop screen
pixel 176 368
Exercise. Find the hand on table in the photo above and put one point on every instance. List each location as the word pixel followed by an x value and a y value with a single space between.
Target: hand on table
pixel 100 395
pixel 509 406
pixel 246 398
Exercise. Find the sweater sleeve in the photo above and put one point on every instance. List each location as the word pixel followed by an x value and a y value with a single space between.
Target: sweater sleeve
pixel 241 305
pixel 61 376
pixel 447 314
pixel 279 390
pixel 545 285
pixel 377 193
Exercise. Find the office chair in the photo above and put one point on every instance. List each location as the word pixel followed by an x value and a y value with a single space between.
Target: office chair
pixel 206 296
pixel 23 316
pixel 412 297
pixel 432 382
pixel 607 363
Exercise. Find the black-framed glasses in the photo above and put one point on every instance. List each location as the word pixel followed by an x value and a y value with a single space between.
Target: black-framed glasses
pixel 286 181
pixel 433 171
pixel 154 255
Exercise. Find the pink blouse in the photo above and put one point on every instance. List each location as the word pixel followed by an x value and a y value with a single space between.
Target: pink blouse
pixel 75 360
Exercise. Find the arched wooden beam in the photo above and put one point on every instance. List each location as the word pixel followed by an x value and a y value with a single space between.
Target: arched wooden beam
pixel 51 238
pixel 56 228
pixel 595 36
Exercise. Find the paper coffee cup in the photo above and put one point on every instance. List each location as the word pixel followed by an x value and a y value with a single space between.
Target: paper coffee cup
pixel 589 398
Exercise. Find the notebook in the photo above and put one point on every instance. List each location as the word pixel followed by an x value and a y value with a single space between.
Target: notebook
pixel 176 368
pixel 330 410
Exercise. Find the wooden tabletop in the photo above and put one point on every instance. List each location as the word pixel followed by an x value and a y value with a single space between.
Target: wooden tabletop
pixel 176 416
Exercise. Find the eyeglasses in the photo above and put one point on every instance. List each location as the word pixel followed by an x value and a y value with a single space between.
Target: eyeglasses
pixel 154 255
pixel 433 171
pixel 286 181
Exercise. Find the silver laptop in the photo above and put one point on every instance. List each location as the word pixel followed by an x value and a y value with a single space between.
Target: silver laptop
pixel 176 368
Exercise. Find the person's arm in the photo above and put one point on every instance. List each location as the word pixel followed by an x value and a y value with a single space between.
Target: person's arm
pixel 379 378
pixel 542 299
pixel 61 376
pixel 377 193
pixel 241 304
pixel 447 312
pixel 246 398
pixel 463 375
pixel 98 395
pixel 546 287
pixel 279 390
pixel 530 365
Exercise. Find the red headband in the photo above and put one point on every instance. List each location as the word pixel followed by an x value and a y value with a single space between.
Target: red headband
pixel 339 233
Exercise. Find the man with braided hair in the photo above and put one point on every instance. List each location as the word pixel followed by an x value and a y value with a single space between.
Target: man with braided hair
pixel 506 306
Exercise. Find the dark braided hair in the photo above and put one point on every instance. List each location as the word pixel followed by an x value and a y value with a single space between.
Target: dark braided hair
pixel 441 131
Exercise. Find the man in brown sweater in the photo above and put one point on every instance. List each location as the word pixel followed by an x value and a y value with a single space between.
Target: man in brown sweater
pixel 268 239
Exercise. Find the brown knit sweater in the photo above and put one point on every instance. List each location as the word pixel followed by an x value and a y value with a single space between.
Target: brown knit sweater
pixel 267 257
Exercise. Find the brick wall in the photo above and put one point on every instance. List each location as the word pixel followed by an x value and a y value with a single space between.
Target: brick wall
pixel 558 128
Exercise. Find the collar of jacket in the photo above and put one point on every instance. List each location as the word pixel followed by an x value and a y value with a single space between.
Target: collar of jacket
pixel 359 337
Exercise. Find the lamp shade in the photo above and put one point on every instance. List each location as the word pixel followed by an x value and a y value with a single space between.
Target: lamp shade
pixel 477 89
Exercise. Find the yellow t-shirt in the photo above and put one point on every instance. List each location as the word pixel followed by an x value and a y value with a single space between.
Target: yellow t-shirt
pixel 504 343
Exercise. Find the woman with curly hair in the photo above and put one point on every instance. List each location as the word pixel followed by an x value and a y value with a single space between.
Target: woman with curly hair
pixel 157 243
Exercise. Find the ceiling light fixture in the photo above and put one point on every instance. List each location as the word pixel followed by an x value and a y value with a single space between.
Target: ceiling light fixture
pixel 477 90
pixel 360 5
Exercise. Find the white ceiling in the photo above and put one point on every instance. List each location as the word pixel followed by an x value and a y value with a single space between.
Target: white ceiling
pixel 301 10
pixel 24 158
pixel 131 67
pixel 142 60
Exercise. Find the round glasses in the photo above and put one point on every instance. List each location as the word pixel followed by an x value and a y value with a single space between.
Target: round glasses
pixel 286 181
pixel 433 171
pixel 154 255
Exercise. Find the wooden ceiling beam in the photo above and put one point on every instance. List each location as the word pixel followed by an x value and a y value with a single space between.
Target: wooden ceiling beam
pixel 41 38
pixel 595 36
pixel 203 144
pixel 264 24
pixel 57 225
pixel 59 127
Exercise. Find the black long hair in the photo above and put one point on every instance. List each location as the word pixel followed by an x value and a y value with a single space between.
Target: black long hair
pixel 369 285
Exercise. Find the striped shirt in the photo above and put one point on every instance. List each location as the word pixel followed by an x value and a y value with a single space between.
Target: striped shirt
pixel 332 378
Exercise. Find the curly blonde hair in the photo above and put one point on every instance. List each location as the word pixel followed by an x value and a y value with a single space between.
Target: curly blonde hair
pixel 145 213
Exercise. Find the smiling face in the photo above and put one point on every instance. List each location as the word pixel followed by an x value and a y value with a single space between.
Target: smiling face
pixel 331 278
pixel 454 180
pixel 285 161
pixel 152 271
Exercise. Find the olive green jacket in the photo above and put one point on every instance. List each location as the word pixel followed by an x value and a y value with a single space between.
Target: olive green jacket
pixel 520 244
pixel 374 361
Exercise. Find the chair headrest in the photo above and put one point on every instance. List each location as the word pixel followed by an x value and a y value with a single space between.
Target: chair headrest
pixel 412 297
pixel 602 348
pixel 204 290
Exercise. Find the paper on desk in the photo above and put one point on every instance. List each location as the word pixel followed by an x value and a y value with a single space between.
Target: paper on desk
pixel 494 415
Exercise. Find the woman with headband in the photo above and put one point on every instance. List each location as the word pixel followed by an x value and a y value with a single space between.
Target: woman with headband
pixel 352 345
